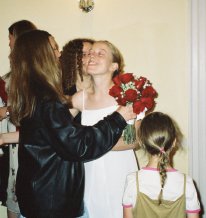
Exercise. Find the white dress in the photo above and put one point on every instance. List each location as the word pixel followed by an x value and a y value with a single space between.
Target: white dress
pixel 105 177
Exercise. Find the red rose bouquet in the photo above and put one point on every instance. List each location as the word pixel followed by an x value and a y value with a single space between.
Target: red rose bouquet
pixel 139 92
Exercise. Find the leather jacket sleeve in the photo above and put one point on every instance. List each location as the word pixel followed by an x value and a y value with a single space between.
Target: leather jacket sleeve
pixel 81 143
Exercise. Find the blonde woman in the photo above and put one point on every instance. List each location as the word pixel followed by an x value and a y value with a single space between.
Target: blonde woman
pixel 104 177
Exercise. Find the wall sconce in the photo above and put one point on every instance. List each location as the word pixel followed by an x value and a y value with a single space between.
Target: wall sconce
pixel 86 5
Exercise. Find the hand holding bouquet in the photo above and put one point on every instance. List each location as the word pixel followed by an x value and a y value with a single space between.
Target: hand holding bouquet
pixel 139 92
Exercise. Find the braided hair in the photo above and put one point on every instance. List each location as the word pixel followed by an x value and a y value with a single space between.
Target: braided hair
pixel 157 133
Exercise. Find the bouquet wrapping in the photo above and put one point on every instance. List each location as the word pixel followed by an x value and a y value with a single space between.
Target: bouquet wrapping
pixel 139 92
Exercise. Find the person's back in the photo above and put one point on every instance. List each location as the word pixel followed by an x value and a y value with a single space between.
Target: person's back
pixel 145 187
pixel 50 178
pixel 158 190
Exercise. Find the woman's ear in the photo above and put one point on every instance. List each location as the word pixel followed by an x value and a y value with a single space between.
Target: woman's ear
pixel 114 67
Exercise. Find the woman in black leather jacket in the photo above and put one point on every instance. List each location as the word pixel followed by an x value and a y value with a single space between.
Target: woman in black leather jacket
pixel 50 178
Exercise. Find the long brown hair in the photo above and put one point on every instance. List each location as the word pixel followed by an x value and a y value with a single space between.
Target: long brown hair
pixel 35 74
pixel 21 26
pixel 18 28
pixel 157 134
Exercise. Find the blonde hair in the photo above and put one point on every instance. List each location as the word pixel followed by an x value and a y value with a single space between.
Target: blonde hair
pixel 157 134
pixel 35 74
pixel 116 56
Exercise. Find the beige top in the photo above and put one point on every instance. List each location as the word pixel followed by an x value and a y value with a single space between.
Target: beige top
pixel 147 207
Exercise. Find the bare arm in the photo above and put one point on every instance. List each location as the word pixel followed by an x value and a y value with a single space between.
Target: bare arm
pixel 127 212
pixel 7 138
pixel 74 111
pixel 121 145
pixel 77 103
pixel 193 215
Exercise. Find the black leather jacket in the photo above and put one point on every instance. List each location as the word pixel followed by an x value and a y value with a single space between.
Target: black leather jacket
pixel 52 149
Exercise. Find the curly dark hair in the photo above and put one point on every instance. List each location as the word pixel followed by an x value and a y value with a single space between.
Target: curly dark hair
pixel 71 61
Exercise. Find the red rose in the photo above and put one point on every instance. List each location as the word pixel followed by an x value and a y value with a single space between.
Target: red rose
pixel 149 91
pixel 3 93
pixel 140 83
pixel 131 95
pixel 117 80
pixel 121 101
pixel 126 77
pixel 142 95
pixel 148 102
pixel 115 91
pixel 138 107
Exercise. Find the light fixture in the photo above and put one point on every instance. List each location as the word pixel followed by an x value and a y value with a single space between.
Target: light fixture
pixel 86 5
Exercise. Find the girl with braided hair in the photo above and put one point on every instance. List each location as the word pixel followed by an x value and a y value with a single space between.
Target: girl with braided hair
pixel 158 190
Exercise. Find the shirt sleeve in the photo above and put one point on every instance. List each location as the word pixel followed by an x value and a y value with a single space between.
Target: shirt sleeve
pixel 79 143
pixel 130 191
pixel 192 202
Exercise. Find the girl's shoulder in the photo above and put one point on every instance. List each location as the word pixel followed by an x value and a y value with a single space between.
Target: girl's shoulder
pixel 77 100
pixel 173 176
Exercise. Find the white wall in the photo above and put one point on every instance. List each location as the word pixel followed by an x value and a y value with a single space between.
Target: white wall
pixel 153 36
pixel 197 121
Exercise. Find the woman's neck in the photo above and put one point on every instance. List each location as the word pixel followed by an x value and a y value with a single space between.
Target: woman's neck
pixel 99 96
pixel 102 85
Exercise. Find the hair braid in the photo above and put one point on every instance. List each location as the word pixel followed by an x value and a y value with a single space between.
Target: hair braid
pixel 162 165
pixel 157 134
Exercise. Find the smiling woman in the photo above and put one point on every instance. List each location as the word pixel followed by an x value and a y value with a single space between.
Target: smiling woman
pixel 105 177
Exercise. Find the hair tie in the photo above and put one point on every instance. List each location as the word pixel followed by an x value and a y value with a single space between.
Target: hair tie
pixel 162 151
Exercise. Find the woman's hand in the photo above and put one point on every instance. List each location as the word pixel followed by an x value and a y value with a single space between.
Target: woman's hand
pixel 121 145
pixel 127 112
pixel 3 113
